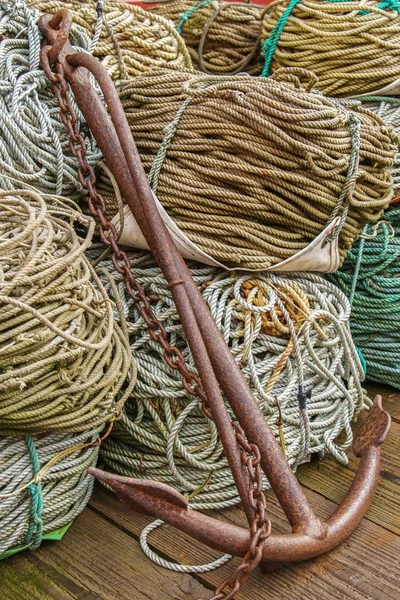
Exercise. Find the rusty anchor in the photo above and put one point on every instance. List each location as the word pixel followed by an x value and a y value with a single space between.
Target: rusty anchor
pixel 220 376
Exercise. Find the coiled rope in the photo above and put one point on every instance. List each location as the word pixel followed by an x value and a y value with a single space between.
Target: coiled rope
pixel 370 277
pixel 34 145
pixel 131 40
pixel 222 37
pixel 63 361
pixel 252 169
pixel 388 108
pixel 353 47
pixel 284 332
pixel 44 485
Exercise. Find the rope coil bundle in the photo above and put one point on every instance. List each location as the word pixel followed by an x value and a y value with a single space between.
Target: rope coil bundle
pixel 63 361
pixel 370 278
pixel 388 109
pixel 34 146
pixel 130 42
pixel 252 169
pixel 283 332
pixel 44 485
pixel 222 37
pixel 353 47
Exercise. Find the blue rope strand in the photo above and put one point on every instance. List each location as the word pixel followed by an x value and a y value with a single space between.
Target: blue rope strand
pixel 186 15
pixel 34 535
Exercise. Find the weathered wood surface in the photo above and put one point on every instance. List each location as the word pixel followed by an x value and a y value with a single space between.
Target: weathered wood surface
pixel 100 558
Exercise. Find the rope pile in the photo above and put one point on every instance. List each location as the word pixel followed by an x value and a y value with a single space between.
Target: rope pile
pixel 252 169
pixel 370 276
pixel 44 484
pixel 282 331
pixel 63 361
pixel 353 47
pixel 34 147
pixel 388 108
pixel 222 37
pixel 130 42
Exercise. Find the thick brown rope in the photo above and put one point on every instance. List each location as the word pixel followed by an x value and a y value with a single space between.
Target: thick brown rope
pixel 252 169
pixel 353 47
pixel 131 40
pixel 222 37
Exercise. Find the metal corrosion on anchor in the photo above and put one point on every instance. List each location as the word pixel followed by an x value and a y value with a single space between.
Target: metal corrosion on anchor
pixel 250 436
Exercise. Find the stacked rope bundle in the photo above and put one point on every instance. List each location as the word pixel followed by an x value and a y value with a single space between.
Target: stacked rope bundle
pixel 370 277
pixel 252 169
pixel 388 108
pixel 130 41
pixel 284 332
pixel 44 484
pixel 352 46
pixel 34 147
pixel 222 37
pixel 63 361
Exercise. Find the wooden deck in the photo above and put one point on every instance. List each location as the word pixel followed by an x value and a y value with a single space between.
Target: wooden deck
pixel 100 558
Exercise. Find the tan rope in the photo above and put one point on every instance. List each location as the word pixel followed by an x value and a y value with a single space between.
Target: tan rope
pixel 131 40
pixel 222 37
pixel 63 361
pixel 254 168
pixel 353 47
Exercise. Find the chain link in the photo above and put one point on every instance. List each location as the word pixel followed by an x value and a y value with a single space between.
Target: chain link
pixel 260 527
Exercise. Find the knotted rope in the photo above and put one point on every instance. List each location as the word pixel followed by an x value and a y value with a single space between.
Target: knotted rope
pixel 284 332
pixel 353 47
pixel 222 37
pixel 370 278
pixel 131 40
pixel 34 147
pixel 63 361
pixel 44 484
pixel 252 169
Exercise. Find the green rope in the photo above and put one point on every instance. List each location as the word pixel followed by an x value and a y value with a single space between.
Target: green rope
pixel 186 15
pixel 271 43
pixel 34 534
pixel 370 276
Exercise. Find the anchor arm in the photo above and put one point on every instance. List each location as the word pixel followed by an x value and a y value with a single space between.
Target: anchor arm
pixel 277 549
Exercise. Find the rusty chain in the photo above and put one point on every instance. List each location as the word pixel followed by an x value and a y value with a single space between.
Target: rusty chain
pixel 260 527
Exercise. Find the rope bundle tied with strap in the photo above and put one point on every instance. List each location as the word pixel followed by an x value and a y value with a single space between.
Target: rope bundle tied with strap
pixel 370 277
pixel 286 333
pixel 222 37
pixel 63 360
pixel 44 485
pixel 253 169
pixel 130 40
pixel 352 46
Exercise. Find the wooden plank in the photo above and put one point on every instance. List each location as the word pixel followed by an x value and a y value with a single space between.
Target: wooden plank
pixel 390 396
pixel 332 481
pixel 365 566
pixel 106 561
pixel 22 580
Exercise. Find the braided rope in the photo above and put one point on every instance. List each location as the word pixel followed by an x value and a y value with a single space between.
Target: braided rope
pixel 34 147
pixel 286 333
pixel 222 37
pixel 358 42
pixel 63 488
pixel 63 361
pixel 370 278
pixel 241 164
pixel 131 40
